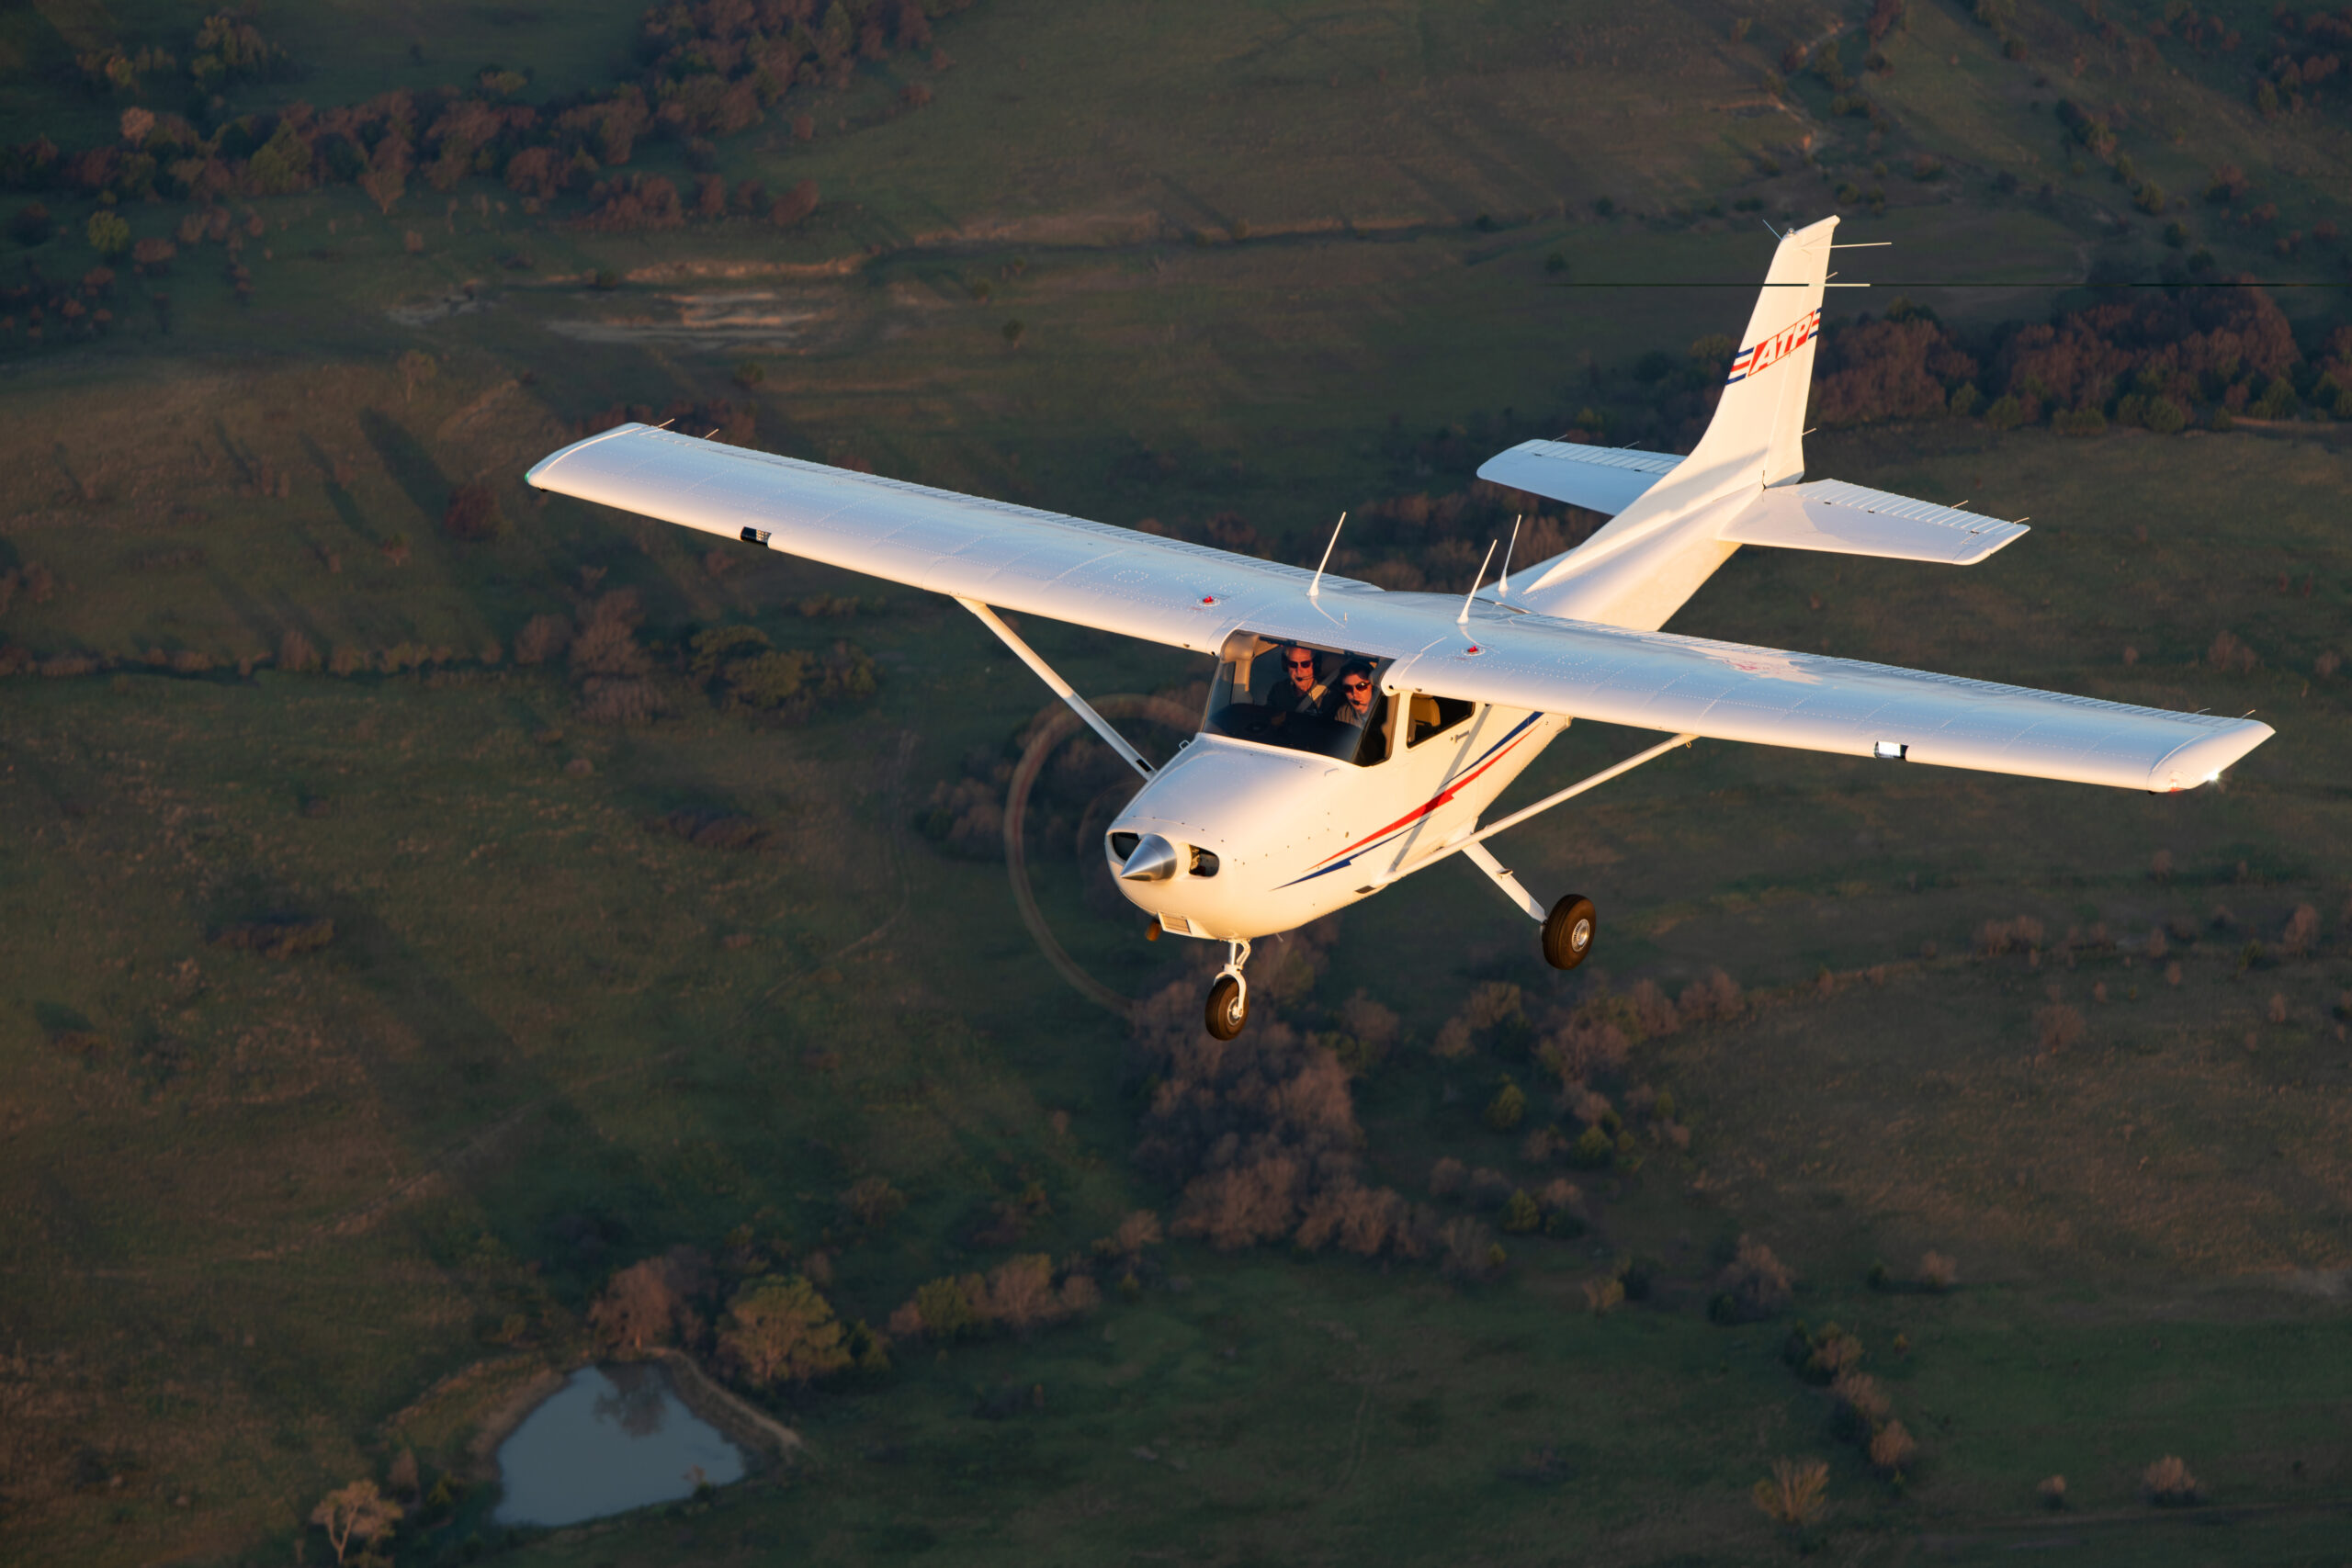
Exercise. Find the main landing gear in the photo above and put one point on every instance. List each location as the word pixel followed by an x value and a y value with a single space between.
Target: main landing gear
pixel 1568 932
pixel 1228 1007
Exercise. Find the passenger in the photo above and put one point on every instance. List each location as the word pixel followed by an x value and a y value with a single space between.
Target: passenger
pixel 1357 708
pixel 1300 693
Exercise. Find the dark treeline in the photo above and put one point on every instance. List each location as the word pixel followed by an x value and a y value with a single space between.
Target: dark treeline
pixel 705 69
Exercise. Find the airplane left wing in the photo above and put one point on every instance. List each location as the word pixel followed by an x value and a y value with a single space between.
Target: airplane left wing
pixel 1017 557
pixel 1729 691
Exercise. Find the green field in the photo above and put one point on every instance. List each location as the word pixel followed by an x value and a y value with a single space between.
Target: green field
pixel 275 1219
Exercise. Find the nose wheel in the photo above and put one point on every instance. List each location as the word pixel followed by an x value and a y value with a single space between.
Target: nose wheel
pixel 1229 1007
pixel 1568 932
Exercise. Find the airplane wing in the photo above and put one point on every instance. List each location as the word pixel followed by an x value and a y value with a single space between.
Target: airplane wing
pixel 1729 691
pixel 1016 558
pixel 1598 479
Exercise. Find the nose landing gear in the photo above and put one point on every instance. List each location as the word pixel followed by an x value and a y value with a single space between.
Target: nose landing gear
pixel 1228 1007
pixel 1568 932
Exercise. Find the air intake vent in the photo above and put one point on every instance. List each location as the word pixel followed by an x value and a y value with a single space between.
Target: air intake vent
pixel 1123 845
pixel 1204 862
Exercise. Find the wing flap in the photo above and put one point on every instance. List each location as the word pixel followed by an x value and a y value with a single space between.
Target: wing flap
pixel 1598 479
pixel 1729 691
pixel 1853 520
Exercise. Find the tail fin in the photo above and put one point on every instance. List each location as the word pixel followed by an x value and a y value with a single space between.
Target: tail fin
pixel 1642 566
pixel 1763 404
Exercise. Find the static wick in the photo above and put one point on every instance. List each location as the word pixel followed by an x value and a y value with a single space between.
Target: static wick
pixel 1315 589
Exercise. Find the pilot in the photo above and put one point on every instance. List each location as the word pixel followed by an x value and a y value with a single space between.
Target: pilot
pixel 1300 692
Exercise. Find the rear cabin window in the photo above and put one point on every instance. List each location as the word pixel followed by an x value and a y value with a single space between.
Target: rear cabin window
pixel 1300 697
pixel 1428 717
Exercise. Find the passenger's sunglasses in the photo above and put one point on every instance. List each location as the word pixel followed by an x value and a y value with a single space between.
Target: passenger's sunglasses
pixel 1355 685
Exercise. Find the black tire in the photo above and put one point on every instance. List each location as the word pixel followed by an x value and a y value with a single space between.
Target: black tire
pixel 1568 932
pixel 1229 1007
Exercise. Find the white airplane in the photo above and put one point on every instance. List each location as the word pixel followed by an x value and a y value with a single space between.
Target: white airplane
pixel 1354 737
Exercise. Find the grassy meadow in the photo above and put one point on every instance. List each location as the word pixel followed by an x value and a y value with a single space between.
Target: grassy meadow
pixel 274 1219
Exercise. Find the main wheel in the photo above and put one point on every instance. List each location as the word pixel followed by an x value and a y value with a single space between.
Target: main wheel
pixel 1568 932
pixel 1229 1007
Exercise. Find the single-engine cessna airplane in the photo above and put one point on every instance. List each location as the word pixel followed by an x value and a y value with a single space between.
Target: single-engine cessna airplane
pixel 1354 737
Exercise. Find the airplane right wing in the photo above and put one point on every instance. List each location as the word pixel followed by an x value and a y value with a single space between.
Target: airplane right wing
pixel 1729 691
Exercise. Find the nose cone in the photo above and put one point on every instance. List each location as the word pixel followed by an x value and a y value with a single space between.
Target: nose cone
pixel 1155 860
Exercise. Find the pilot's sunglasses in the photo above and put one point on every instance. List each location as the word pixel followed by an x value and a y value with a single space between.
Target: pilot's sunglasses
pixel 1300 663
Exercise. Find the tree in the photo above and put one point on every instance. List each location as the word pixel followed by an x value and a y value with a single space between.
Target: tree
pixel 647 1303
pixel 1794 1496
pixel 778 1330
pixel 357 1513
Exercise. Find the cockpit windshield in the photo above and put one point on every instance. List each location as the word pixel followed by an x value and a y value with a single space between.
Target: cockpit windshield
pixel 1299 695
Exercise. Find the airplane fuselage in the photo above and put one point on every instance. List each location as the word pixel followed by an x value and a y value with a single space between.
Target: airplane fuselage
pixel 1269 839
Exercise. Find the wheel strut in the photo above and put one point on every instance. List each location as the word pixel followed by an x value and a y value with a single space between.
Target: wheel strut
pixel 1228 1007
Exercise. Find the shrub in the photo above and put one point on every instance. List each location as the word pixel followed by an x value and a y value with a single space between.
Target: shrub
pixel 543 638
pixel 872 1202
pixel 1452 1041
pixel 1753 1286
pixel 2051 1491
pixel 1507 1109
pixel 296 654
pixel 473 512
pixel 1796 1493
pixel 606 643
pixel 2167 1483
pixel 1602 1297
pixel 2302 931
pixel 2057 1027
pixel 2277 1007
pixel 1446 1177
pixel 1892 1449
pixel 1863 1402
pixel 1520 1215
pixel 793 205
pixel 1595 1149
pixel 2006 412
pixel 1715 997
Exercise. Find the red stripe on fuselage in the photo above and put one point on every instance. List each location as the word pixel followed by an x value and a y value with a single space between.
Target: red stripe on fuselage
pixel 1434 801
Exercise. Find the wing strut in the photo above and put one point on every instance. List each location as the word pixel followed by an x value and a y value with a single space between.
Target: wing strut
pixel 1469 842
pixel 1061 688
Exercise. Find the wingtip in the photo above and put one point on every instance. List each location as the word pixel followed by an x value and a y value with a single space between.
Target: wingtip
pixel 2204 760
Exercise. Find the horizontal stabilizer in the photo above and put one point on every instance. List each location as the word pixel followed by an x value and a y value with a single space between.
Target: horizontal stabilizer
pixel 1849 520
pixel 1598 479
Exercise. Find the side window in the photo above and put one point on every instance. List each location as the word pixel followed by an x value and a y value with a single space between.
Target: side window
pixel 1434 715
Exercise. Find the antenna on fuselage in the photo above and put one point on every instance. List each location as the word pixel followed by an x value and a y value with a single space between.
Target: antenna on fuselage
pixel 1315 589
pixel 1463 619
pixel 1502 578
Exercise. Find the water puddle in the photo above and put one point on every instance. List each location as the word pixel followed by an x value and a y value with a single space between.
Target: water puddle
pixel 611 1440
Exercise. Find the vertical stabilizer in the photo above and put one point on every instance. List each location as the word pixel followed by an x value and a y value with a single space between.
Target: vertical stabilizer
pixel 1763 404
pixel 1653 556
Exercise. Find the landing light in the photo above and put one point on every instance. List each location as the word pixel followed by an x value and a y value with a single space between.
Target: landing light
pixel 1891 751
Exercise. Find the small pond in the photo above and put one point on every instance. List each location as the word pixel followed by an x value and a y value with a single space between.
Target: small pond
pixel 611 1440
